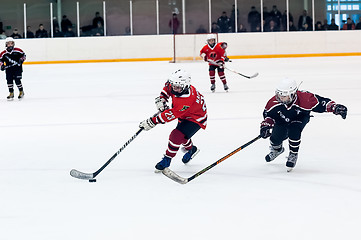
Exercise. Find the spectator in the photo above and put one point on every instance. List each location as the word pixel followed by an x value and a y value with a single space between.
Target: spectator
pixel 69 32
pixel 29 33
pixel 349 25
pixel 292 26
pixel 41 32
pixel 99 30
pixel 358 25
pixel 266 16
pixel 333 25
pixel 2 34
pixel 271 27
pixel 325 25
pixel 276 16
pixel 241 28
pixel 55 23
pixel 254 19
pixel 201 29
pixel 215 28
pixel 284 20
pixel 233 18
pixel 174 24
pixel 65 24
pixel 224 23
pixel 57 32
pixel 318 26
pixel 98 19
pixel 303 20
pixel 15 34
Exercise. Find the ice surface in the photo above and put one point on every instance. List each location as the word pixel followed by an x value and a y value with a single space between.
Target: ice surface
pixel 79 115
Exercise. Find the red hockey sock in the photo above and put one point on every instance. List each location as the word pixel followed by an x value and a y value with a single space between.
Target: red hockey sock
pixel 176 139
pixel 212 76
pixel 222 77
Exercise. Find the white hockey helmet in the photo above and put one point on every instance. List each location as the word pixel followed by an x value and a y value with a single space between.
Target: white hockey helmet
pixel 286 91
pixel 211 36
pixel 180 79
pixel 9 39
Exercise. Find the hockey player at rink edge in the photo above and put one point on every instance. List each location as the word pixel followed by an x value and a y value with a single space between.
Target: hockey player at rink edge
pixel 11 60
pixel 215 54
pixel 287 113
pixel 188 106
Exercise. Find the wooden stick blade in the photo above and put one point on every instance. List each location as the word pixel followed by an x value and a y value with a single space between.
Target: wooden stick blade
pixel 175 177
pixel 80 175
pixel 254 75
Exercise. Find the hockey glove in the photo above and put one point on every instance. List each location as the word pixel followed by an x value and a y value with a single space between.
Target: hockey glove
pixel 340 110
pixel 204 56
pixel 161 104
pixel 21 60
pixel 220 63
pixel 147 124
pixel 265 130
pixel 2 67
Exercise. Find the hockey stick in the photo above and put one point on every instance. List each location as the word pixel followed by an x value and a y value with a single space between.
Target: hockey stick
pixel 15 64
pixel 86 176
pixel 175 177
pixel 249 77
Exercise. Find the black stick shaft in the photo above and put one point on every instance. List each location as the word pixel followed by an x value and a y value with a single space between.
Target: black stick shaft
pixel 116 154
pixel 222 159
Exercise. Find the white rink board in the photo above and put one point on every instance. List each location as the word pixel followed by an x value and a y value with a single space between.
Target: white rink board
pixel 161 46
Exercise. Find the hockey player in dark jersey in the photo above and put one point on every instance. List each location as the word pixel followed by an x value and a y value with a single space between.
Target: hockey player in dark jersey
pixel 287 113
pixel 188 107
pixel 11 60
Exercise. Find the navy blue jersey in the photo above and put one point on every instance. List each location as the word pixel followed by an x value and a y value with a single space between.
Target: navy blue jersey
pixel 304 103
pixel 12 59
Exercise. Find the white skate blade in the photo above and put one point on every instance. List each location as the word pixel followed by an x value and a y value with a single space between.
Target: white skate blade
pixel 289 169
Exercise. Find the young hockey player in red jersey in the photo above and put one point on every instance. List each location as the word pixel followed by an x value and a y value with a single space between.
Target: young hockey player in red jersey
pixel 188 107
pixel 13 58
pixel 287 113
pixel 215 54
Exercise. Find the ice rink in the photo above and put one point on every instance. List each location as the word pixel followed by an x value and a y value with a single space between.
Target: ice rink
pixel 79 115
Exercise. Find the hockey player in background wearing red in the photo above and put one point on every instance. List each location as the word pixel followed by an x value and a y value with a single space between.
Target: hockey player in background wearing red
pixel 287 113
pixel 11 60
pixel 188 107
pixel 215 54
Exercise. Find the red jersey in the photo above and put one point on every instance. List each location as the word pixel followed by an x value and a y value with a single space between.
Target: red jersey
pixel 189 106
pixel 217 53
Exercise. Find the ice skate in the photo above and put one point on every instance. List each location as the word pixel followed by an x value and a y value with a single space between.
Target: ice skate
pixel 213 87
pixel 190 154
pixel 21 95
pixel 275 152
pixel 10 97
pixel 291 161
pixel 225 86
pixel 162 164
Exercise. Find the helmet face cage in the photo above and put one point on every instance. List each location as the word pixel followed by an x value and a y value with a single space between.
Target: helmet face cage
pixel 281 96
pixel 180 79
pixel 9 47
pixel 210 37
pixel 286 91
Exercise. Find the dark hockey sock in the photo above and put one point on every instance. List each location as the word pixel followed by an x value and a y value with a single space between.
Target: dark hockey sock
pixel 294 145
pixel 11 87
pixel 20 87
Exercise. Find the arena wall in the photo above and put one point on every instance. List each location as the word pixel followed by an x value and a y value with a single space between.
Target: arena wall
pixel 160 47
